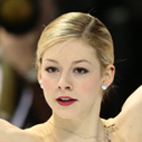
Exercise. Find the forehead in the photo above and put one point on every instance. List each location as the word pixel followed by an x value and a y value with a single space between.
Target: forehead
pixel 71 49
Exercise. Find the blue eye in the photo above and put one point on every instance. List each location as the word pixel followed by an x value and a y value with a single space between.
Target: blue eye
pixel 80 71
pixel 51 69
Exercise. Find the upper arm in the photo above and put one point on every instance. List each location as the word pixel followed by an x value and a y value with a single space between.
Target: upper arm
pixel 135 100
pixel 129 121
pixel 11 133
pixel 6 129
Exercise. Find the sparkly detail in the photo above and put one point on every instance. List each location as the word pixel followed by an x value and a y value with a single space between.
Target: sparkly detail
pixel 107 128
pixel 107 135
pixel 106 132
pixel 41 86
pixel 104 87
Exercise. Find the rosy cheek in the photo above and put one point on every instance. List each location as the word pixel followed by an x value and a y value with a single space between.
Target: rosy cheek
pixel 89 86
pixel 47 84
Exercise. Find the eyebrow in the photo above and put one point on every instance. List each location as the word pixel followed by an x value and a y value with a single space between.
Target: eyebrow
pixel 80 61
pixel 74 62
pixel 51 60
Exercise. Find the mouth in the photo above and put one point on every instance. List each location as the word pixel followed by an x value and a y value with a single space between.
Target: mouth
pixel 65 101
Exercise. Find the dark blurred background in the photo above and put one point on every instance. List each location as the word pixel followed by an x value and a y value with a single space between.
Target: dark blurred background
pixel 123 18
pixel 21 23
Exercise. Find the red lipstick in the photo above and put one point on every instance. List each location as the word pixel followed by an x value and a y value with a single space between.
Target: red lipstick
pixel 65 101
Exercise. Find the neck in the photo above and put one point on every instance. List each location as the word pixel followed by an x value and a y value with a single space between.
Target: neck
pixel 88 129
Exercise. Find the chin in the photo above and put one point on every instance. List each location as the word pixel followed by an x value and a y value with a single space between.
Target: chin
pixel 67 115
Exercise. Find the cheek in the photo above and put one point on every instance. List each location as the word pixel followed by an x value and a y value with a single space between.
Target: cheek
pixel 47 84
pixel 48 88
pixel 90 86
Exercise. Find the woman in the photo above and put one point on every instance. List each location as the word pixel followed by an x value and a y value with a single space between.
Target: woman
pixel 75 70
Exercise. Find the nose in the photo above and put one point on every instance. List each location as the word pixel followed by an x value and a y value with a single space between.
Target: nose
pixel 65 83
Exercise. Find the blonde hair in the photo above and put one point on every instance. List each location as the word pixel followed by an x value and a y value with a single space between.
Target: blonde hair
pixel 75 25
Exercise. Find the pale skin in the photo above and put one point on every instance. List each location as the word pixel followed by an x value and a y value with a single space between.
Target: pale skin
pixel 72 69
pixel 77 76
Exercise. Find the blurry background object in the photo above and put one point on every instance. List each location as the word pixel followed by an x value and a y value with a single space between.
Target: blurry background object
pixel 21 23
pixel 19 16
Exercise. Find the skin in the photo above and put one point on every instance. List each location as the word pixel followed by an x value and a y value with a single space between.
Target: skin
pixel 64 72
pixel 68 80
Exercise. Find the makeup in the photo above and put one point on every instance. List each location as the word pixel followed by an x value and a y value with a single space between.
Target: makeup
pixel 65 100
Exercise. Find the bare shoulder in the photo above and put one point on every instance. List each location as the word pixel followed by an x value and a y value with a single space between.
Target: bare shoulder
pixel 129 120
pixel 11 133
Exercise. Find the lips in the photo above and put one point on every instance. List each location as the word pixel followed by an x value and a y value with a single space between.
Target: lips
pixel 65 101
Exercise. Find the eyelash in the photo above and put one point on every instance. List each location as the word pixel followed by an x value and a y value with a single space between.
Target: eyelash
pixel 78 70
pixel 51 69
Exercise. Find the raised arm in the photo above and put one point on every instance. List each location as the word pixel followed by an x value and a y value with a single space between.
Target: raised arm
pixel 134 100
pixel 129 121
pixel 6 131
pixel 10 133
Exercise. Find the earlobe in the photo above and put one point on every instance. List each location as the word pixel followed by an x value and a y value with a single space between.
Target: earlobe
pixel 40 78
pixel 109 75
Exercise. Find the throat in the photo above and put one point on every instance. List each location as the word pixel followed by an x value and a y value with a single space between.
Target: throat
pixel 63 134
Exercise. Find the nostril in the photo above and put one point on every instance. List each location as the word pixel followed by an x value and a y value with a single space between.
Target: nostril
pixel 68 87
pixel 65 88
pixel 59 87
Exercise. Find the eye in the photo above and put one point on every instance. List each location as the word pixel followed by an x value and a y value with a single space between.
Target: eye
pixel 51 69
pixel 81 70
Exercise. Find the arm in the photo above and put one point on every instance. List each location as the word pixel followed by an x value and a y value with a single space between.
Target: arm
pixel 134 100
pixel 129 121
pixel 6 129
pixel 10 133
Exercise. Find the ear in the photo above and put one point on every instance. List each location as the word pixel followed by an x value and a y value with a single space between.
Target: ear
pixel 108 75
pixel 39 76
